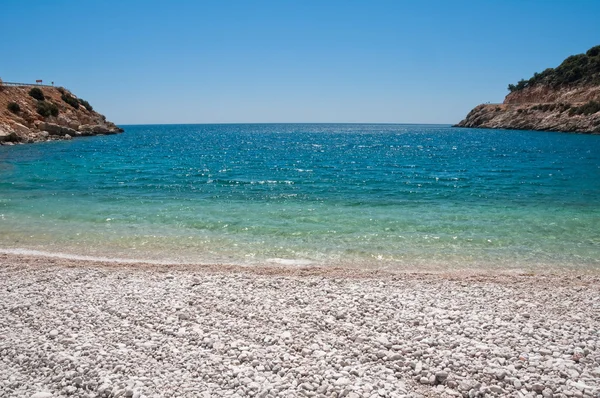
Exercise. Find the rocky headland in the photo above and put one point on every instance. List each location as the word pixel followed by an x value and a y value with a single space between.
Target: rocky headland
pixel 40 113
pixel 565 98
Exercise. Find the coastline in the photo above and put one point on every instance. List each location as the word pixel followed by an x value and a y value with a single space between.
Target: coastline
pixel 531 116
pixel 217 330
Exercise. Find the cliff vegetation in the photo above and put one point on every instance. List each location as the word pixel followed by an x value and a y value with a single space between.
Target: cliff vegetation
pixel 580 69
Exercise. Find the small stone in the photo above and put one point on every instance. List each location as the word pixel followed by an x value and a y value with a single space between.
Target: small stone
pixel 102 388
pixel 286 335
pixel 42 394
pixel 441 376
pixel 500 375
pixel 579 386
pixel 418 367
pixel 383 340
pixel 496 389
pixel 547 393
pixel 307 386
pixel 537 387
pixel 53 333
pixel 342 381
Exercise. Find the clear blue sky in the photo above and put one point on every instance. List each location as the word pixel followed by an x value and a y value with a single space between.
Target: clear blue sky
pixel 290 61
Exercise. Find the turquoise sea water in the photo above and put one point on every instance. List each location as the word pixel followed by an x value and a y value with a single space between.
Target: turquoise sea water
pixel 386 196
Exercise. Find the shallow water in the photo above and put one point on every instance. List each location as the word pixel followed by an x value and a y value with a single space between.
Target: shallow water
pixel 385 196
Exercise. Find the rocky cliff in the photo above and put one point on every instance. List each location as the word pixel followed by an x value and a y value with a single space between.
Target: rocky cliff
pixel 33 114
pixel 565 98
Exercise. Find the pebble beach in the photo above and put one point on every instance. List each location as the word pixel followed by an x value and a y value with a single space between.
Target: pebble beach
pixel 90 329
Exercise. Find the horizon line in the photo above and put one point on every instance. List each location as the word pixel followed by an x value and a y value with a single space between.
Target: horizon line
pixel 236 123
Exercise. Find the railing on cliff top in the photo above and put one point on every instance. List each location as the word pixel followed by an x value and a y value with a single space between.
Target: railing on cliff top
pixel 25 84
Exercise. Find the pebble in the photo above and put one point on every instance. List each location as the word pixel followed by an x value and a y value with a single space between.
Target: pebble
pixel 441 376
pixel 274 334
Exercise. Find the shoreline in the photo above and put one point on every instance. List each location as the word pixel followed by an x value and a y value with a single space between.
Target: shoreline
pixel 98 329
pixel 283 266
pixel 36 258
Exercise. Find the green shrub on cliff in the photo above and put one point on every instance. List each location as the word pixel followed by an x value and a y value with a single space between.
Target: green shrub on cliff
pixel 46 109
pixel 53 110
pixel 69 99
pixel 85 104
pixel 37 94
pixel 593 52
pixel 588 108
pixel 13 107
pixel 575 70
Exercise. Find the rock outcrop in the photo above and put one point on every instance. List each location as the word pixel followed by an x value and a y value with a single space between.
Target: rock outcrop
pixel 59 116
pixel 566 99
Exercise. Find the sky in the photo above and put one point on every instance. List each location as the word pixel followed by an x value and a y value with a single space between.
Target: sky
pixel 377 61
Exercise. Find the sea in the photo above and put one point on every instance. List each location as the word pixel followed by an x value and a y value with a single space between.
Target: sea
pixel 376 196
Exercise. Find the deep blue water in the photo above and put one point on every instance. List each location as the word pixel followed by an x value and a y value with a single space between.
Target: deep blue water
pixel 391 196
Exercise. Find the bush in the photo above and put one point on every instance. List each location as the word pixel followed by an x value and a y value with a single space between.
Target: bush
pixel 37 94
pixel 564 107
pixel 588 108
pixel 47 108
pixel 69 99
pixel 544 107
pixel 13 107
pixel 61 90
pixel 53 110
pixel 594 51
pixel 86 104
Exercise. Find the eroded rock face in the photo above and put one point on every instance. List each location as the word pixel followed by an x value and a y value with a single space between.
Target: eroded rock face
pixel 540 108
pixel 543 95
pixel 27 125
pixel 100 129
pixel 55 129
pixel 7 134
pixel 548 117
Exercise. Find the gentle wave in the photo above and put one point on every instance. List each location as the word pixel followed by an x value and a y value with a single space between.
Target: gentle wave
pixel 66 256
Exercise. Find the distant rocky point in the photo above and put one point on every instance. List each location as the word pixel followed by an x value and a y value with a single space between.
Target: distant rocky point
pixel 565 98
pixel 33 113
